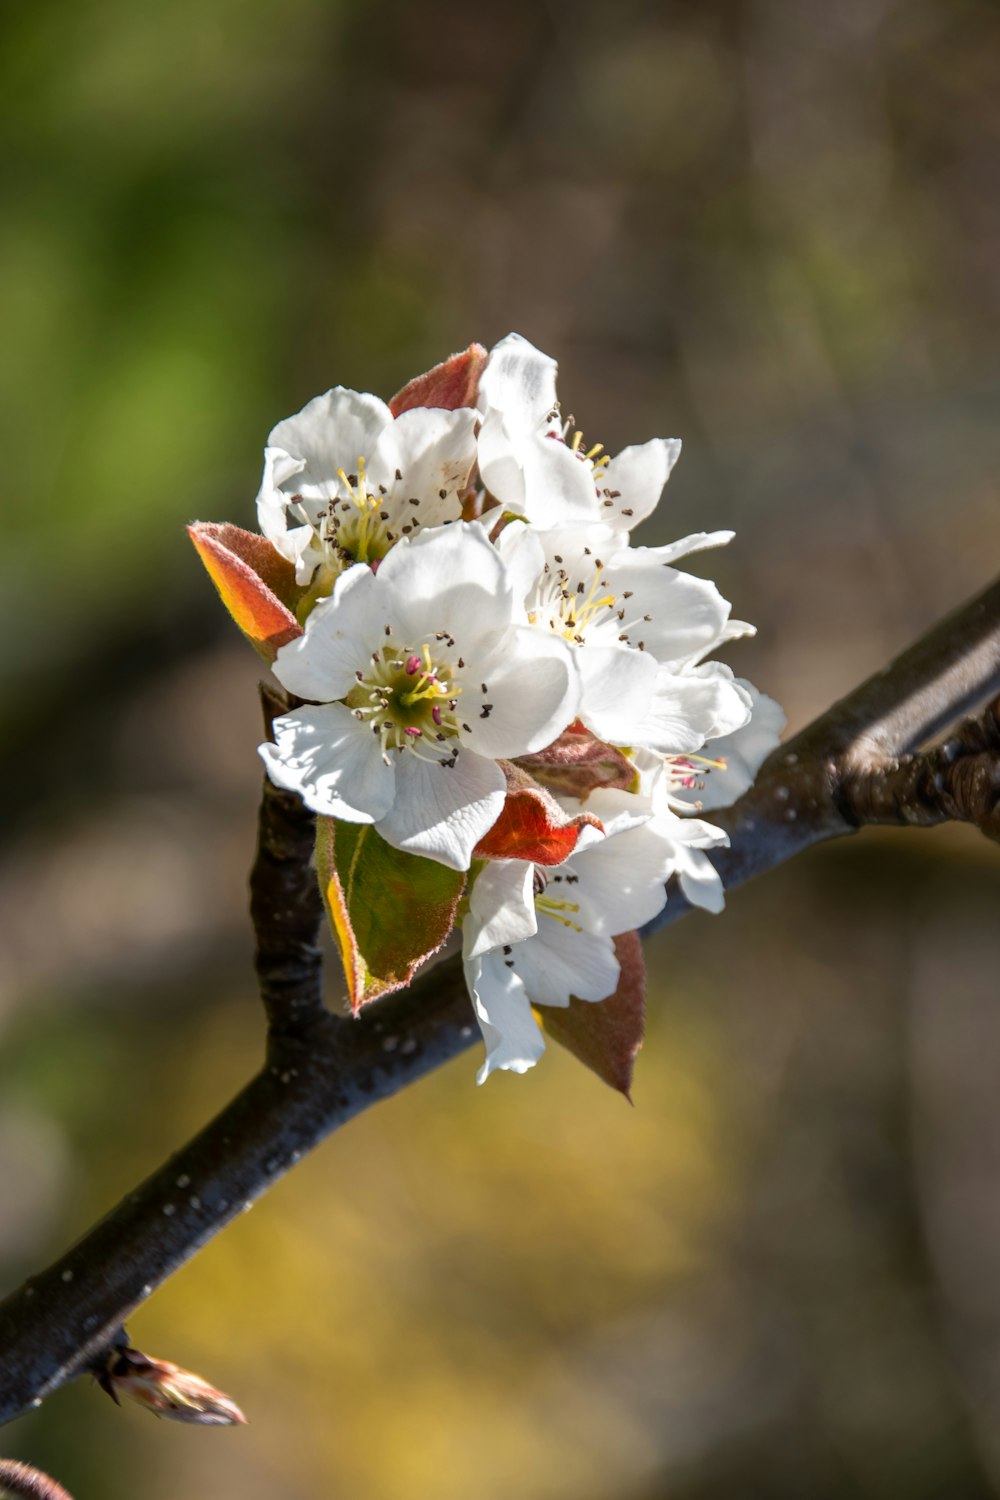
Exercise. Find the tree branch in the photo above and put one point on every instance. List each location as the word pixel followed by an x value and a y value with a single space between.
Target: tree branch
pixel 322 1070
pixel 286 908
pixel 958 781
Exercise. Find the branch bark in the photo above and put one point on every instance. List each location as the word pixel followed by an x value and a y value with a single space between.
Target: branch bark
pixel 286 908
pixel 321 1070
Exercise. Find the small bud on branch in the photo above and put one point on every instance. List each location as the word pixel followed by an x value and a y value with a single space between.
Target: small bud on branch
pixel 167 1390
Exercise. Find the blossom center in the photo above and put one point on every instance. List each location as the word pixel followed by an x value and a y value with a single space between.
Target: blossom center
pixel 571 605
pixel 355 526
pixel 409 697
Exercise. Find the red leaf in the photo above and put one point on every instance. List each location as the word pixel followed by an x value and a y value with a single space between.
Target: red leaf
pixel 577 763
pixel 255 583
pixel 605 1035
pixel 532 825
pixel 453 383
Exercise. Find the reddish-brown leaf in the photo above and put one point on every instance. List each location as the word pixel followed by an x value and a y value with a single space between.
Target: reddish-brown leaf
pixel 532 825
pixel 577 763
pixel 255 583
pixel 605 1035
pixel 452 383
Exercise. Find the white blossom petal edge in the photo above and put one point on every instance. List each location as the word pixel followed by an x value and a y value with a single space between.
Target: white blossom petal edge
pixel 538 467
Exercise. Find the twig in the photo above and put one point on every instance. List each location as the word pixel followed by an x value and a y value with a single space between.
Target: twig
pixel 322 1070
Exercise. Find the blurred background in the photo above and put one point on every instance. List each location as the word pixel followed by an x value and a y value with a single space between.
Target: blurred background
pixel 768 226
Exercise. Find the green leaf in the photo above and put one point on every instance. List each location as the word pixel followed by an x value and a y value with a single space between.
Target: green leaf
pixel 389 911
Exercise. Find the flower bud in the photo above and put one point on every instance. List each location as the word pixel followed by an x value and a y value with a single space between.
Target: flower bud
pixel 167 1390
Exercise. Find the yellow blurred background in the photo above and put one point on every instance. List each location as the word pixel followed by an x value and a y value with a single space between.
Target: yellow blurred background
pixel 770 227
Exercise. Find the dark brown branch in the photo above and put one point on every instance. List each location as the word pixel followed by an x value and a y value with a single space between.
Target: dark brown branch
pixel 25 1483
pixel 285 904
pixel 322 1070
pixel 946 674
pixel 958 781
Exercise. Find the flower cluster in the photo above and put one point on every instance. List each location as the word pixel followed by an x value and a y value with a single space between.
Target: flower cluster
pixel 488 674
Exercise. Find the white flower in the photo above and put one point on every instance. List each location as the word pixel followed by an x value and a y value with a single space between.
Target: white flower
pixel 638 628
pixel 422 677
pixel 683 837
pixel 541 935
pixel 344 479
pixel 537 467
pixel 736 758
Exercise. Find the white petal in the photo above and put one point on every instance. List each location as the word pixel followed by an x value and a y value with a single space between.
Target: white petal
pixel 687 615
pixel 558 483
pixel 574 548
pixel 332 761
pixel 433 450
pixel 501 907
pixel 271 500
pixel 535 474
pixel 621 881
pixel 617 690
pixel 692 833
pixel 688 708
pixel 518 380
pixel 443 811
pixel 331 432
pixel 337 642
pixel 737 630
pixel 521 548
pixel 499 464
pixel 732 703
pixel 638 474
pixel 510 1031
pixel 698 541
pixel 450 578
pixel 532 694
pixel 560 962
pixel 700 881
pixel 743 751
pixel 296 543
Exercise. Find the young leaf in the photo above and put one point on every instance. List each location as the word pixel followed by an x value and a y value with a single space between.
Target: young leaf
pixel 255 583
pixel 577 763
pixel 606 1035
pixel 532 825
pixel 389 910
pixel 453 383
